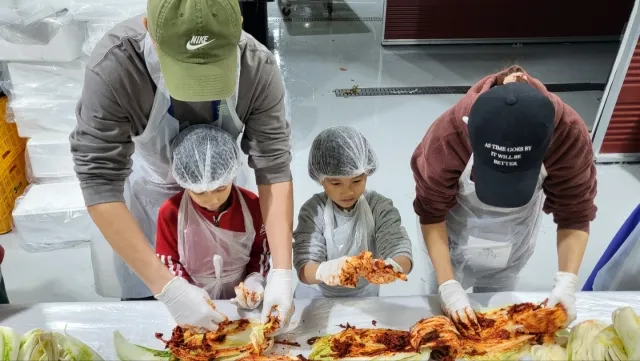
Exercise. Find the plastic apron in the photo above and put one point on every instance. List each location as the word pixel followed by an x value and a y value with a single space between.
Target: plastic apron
pixel 619 267
pixel 215 258
pixel 490 245
pixel 349 239
pixel 151 182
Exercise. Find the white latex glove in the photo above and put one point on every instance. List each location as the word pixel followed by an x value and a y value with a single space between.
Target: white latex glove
pixel 190 305
pixel 329 272
pixel 394 264
pixel 564 293
pixel 278 297
pixel 250 296
pixel 455 303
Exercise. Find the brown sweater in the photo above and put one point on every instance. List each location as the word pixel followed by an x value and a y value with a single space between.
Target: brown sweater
pixel 440 159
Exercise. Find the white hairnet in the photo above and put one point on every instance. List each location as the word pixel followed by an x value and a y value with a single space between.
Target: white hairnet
pixel 205 157
pixel 341 152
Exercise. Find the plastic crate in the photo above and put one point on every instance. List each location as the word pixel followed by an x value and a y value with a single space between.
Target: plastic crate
pixel 10 143
pixel 13 181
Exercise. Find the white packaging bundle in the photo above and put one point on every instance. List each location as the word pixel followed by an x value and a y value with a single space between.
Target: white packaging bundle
pixel 41 32
pixel 31 21
pixel 50 160
pixel 43 116
pixel 118 10
pixel 52 216
pixel 43 97
pixel 103 15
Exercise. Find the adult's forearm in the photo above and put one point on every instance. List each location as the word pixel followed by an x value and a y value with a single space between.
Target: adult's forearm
pixel 308 274
pixel 404 262
pixel 571 247
pixel 276 204
pixel 123 233
pixel 437 241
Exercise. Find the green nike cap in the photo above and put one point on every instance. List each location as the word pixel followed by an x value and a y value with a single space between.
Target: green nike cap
pixel 197 46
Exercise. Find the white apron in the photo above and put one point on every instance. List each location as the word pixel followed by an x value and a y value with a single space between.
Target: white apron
pixel 151 181
pixel 490 245
pixel 215 258
pixel 349 239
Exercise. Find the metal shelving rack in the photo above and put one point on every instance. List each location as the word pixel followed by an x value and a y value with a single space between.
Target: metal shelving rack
pixel 286 6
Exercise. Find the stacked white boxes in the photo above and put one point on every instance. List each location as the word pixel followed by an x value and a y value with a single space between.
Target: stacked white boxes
pixel 51 216
pixel 44 45
pixel 39 30
pixel 44 96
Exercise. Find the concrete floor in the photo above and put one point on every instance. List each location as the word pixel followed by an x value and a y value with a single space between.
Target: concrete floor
pixel 318 57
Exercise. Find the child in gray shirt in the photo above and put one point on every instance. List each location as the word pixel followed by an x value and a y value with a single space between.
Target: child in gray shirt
pixel 345 219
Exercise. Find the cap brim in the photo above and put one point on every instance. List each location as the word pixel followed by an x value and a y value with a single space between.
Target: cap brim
pixel 191 82
pixel 505 190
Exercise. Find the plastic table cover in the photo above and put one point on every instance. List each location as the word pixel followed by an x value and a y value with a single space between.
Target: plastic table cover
pixel 94 323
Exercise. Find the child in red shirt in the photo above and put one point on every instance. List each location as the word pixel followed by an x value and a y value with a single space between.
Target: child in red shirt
pixel 212 234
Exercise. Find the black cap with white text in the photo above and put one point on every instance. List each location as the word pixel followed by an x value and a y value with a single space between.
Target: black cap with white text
pixel 510 128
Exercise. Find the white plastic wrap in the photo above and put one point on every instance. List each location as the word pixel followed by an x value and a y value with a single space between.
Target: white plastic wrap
pixel 43 97
pixel 50 160
pixel 42 32
pixel 94 323
pixel 30 21
pixel 95 32
pixel 52 216
pixel 91 10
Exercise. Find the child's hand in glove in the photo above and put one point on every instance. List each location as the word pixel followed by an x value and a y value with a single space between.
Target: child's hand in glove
pixel 329 272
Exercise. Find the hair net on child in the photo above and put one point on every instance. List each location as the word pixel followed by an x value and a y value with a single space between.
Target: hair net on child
pixel 205 157
pixel 341 152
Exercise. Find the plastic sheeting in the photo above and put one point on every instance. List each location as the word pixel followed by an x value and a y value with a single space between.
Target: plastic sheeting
pixel 94 323
pixel 95 32
pixel 119 10
pixel 103 15
pixel 43 97
pixel 40 32
pixel 52 216
pixel 32 22
pixel 50 160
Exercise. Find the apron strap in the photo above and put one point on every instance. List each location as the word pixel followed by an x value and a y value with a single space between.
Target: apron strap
pixel 329 222
pixel 217 266
pixel 219 277
pixel 248 219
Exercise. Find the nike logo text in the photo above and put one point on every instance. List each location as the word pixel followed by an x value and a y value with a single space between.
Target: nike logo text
pixel 197 42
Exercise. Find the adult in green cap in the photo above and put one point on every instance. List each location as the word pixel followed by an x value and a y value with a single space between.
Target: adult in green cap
pixel 187 62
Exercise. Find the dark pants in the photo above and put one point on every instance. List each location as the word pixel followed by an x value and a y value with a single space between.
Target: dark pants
pixel 255 20
pixel 4 299
pixel 150 298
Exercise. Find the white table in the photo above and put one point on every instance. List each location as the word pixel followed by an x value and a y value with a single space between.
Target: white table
pixel 94 323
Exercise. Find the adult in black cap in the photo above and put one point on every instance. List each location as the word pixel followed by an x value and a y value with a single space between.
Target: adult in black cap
pixel 485 171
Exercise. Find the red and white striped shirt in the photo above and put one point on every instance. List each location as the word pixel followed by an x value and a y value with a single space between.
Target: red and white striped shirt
pixel 231 219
